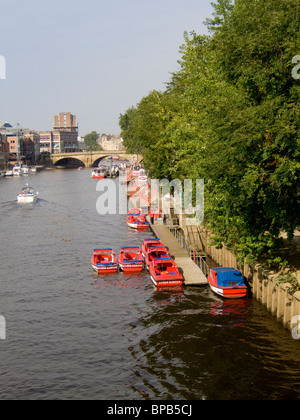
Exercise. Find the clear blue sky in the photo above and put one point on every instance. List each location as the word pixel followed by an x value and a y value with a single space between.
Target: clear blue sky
pixel 93 58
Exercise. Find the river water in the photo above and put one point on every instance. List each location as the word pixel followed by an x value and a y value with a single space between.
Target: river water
pixel 71 334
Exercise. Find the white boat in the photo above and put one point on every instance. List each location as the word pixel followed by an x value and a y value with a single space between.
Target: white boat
pixel 9 173
pixel 99 173
pixel 33 170
pixel 17 171
pixel 25 169
pixel 27 195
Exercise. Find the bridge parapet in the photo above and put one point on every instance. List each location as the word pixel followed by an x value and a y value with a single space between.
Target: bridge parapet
pixel 89 159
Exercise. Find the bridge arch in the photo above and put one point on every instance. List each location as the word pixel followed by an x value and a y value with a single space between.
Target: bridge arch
pixel 69 162
pixel 99 159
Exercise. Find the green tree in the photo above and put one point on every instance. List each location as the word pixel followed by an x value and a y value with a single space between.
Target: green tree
pixel 91 141
pixel 230 115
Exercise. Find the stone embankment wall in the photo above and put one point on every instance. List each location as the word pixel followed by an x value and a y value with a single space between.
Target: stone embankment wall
pixel 277 298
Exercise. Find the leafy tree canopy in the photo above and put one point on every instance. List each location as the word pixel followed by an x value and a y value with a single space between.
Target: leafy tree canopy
pixel 230 116
pixel 91 141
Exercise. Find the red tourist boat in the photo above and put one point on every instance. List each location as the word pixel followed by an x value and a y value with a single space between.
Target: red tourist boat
pixel 131 259
pixel 99 173
pixel 137 221
pixel 164 272
pixel 104 261
pixel 154 253
pixel 148 243
pixel 227 282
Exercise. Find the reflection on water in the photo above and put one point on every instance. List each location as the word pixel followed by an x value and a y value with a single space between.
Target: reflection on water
pixel 72 334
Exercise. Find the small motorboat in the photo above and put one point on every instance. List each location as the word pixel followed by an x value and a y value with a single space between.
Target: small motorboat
pixel 137 221
pixel 148 243
pixel 25 169
pixel 131 259
pixel 17 171
pixel 33 170
pixel 99 173
pixel 164 272
pixel 9 173
pixel 27 195
pixel 227 282
pixel 104 261
pixel 154 253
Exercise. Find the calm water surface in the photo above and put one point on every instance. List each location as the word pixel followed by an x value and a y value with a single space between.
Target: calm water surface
pixel 74 335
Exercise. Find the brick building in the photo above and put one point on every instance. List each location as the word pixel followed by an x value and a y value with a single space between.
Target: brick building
pixel 64 136
pixel 4 152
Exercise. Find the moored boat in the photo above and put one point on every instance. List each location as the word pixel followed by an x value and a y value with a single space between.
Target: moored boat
pixel 131 259
pixel 25 169
pixel 165 273
pixel 104 261
pixel 154 253
pixel 227 282
pixel 28 195
pixel 148 243
pixel 99 173
pixel 17 171
pixel 137 221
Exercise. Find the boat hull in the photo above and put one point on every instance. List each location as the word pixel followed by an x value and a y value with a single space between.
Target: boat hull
pixel 105 269
pixel 26 200
pixel 131 268
pixel 138 226
pixel 166 283
pixel 230 293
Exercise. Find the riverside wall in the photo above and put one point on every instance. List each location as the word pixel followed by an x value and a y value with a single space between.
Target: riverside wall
pixel 276 297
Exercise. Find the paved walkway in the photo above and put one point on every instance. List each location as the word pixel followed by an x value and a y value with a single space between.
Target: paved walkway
pixel 192 274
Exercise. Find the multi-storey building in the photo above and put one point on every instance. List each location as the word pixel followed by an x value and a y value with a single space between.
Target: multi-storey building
pixel 4 152
pixel 31 145
pixel 63 138
pixel 46 142
pixel 65 121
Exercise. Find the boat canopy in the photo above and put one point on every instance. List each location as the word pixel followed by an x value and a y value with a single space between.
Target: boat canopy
pixel 227 277
pixel 28 190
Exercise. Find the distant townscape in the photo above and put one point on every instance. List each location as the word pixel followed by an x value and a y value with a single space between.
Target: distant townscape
pixel 18 144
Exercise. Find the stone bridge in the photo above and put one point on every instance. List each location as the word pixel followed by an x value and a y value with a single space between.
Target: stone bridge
pixel 89 159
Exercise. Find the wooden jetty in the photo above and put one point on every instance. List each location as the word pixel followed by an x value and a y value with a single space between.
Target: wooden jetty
pixel 193 275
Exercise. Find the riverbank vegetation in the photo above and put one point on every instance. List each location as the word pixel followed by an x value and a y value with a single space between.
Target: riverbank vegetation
pixel 230 115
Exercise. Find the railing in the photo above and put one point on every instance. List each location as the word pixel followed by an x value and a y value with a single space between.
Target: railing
pixel 194 255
